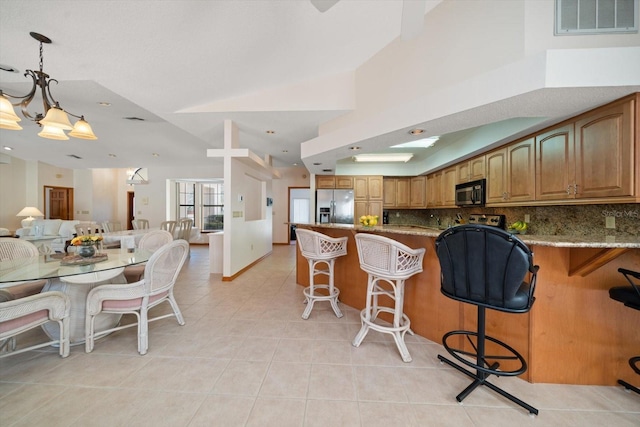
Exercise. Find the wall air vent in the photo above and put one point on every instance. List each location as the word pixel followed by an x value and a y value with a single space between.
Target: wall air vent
pixel 576 17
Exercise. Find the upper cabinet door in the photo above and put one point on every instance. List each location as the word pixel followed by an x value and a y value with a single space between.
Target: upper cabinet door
pixel 418 190
pixel 555 164
pixel 604 152
pixel 496 191
pixel 521 172
pixel 325 181
pixel 344 182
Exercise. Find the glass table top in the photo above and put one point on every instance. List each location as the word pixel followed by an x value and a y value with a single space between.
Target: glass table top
pixel 49 266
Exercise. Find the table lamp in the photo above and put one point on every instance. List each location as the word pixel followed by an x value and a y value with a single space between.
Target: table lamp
pixel 29 212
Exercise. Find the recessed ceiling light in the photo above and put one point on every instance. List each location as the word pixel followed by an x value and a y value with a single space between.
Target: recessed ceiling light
pixel 155 154
pixel 416 131
pixel 8 68
pixel 389 157
pixel 354 148
pixel 104 104
pixel 327 170
pixel 285 151
pixel 295 164
pixel 112 155
pixel 317 164
pixel 7 148
pixel 271 132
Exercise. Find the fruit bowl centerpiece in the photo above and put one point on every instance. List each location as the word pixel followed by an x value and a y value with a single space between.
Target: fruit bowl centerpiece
pixel 518 227
pixel 86 245
pixel 368 221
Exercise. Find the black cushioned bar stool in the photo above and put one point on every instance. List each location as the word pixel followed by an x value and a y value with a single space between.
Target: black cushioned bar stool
pixel 487 267
pixel 630 297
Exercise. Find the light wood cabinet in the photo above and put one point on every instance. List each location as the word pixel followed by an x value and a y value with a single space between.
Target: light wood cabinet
pixel 418 190
pixel 470 170
pixel 449 179
pixel 368 196
pixel 344 182
pixel 396 192
pixel 591 158
pixel 434 190
pixel 511 173
pixel 325 181
pixel 334 181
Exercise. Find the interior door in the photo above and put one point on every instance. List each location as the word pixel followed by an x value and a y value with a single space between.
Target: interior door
pixel 59 203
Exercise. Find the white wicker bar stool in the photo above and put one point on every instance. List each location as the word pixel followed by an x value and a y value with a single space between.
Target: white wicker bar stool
pixel 388 264
pixel 318 248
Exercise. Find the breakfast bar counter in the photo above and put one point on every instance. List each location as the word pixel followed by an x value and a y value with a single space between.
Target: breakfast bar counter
pixel 574 334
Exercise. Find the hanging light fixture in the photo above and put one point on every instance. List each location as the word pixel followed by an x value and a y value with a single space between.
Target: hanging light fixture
pixel 54 120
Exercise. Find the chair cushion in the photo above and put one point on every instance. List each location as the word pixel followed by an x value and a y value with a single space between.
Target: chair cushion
pixel 13 324
pixel 67 229
pixel 130 303
pixel 6 295
pixel 25 289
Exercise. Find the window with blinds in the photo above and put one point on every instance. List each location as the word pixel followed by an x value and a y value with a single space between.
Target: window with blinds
pixel 575 17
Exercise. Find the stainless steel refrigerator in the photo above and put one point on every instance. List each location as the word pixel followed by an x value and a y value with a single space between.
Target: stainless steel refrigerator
pixel 334 206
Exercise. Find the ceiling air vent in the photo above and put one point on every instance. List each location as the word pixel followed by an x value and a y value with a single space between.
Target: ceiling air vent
pixel 135 118
pixel 74 156
pixel 574 17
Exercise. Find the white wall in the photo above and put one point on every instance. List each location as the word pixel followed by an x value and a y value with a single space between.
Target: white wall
pixel 13 193
pixel 244 241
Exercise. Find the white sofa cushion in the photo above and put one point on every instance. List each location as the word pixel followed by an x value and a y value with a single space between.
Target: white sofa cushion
pixel 50 227
pixel 68 229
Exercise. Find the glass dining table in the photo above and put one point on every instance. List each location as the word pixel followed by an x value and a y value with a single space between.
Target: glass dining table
pixel 75 278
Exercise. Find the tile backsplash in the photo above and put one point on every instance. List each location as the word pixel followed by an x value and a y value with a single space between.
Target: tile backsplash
pixel 578 220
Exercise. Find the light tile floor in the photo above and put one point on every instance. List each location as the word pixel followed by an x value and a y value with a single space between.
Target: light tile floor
pixel 246 358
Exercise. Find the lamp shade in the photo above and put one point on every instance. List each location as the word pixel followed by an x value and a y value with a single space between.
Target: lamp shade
pixel 56 118
pixel 51 132
pixel 9 124
pixel 6 110
pixel 82 130
pixel 29 212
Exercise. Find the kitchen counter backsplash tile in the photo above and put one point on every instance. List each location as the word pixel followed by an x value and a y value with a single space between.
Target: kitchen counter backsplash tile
pixel 582 220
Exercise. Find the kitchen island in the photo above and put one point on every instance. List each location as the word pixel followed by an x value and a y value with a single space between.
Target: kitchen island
pixel 574 334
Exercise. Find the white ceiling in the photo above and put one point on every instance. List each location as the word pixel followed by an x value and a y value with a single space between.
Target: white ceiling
pixel 185 66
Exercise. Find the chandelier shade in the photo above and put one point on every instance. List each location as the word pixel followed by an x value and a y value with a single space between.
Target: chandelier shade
pixel 53 116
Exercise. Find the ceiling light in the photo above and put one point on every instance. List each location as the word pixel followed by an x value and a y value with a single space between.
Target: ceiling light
pixel 7 148
pixel 155 154
pixel 416 131
pixel 112 155
pixel 53 116
pixel 271 132
pixel 419 143
pixel 285 151
pixel 354 148
pixel 388 157
pixel 104 104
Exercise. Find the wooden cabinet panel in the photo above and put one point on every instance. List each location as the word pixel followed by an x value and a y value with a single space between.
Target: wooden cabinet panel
pixel 604 153
pixel 449 180
pixel 521 177
pixel 496 191
pixel 470 170
pixel 389 196
pixel 434 189
pixel 344 182
pixel 555 163
pixel 325 181
pixel 403 192
pixel 418 189
pixel 375 187
pixel 360 188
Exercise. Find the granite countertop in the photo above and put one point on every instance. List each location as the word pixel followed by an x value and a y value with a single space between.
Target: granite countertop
pixel 632 242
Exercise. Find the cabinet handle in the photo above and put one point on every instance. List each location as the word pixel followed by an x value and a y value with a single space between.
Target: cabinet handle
pixel 504 195
pixel 568 189
pixel 575 188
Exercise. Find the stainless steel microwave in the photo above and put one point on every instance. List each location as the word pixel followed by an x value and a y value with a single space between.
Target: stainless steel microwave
pixel 471 193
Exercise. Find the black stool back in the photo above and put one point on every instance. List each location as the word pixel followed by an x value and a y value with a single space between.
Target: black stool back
pixel 487 267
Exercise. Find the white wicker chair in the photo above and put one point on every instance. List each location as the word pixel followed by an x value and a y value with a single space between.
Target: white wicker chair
pixel 14 249
pixel 140 224
pixel 152 241
pixel 388 264
pixel 109 226
pixel 156 287
pixel 18 316
pixel 318 248
pixel 184 228
pixel 169 226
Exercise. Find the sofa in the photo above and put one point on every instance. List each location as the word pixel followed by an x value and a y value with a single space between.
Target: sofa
pixel 56 229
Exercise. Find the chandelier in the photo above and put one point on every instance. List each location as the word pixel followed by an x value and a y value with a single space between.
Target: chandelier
pixel 53 120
